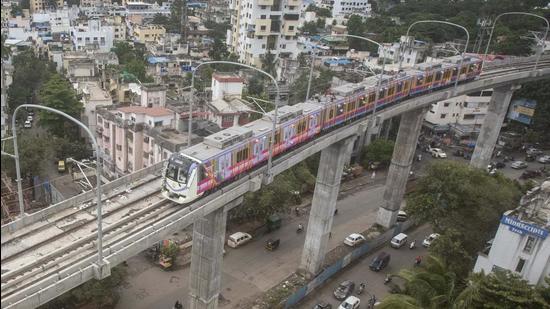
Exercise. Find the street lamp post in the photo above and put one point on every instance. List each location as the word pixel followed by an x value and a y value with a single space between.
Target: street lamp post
pixel 272 142
pixel 516 13
pixel 373 115
pixel 98 170
pixel 437 22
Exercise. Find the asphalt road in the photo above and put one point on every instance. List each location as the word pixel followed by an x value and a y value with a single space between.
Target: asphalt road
pixel 360 272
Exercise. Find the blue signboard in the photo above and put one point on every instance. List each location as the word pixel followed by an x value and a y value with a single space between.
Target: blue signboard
pixel 522 110
pixel 521 227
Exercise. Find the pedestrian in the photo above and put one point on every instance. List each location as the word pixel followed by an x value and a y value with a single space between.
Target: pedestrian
pixel 373 175
pixel 329 235
pixel 178 305
pixel 418 260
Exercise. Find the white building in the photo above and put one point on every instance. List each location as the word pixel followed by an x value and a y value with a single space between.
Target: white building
pixel 227 109
pixel 261 25
pixel 92 98
pixel 92 35
pixel 413 52
pixel 462 115
pixel 521 243
pixel 349 7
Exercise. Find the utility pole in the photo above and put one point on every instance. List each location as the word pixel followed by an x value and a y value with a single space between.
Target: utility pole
pixel 485 25
pixel 184 24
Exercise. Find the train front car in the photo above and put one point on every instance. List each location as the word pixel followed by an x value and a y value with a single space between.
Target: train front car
pixel 180 179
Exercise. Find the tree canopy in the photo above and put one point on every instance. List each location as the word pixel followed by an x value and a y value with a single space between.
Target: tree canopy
pixel 449 195
pixel 380 150
pixel 132 60
pixel 57 93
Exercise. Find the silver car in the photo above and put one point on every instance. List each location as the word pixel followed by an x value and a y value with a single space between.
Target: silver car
pixel 544 159
pixel 518 165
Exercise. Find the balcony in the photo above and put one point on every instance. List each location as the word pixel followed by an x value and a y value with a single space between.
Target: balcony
pixel 275 26
pixel 291 16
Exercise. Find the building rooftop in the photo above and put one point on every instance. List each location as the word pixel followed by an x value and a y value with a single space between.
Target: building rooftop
pixel 150 111
pixel 535 206
pixel 230 105
pixel 153 87
pixel 227 78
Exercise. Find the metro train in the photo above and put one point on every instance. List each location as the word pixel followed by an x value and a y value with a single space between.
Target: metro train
pixel 223 156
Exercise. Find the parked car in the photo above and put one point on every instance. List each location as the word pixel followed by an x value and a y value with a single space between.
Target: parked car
pixel 402 216
pixel 544 159
pixel 437 153
pixel 323 305
pixel 429 240
pixel 30 111
pixel 518 165
pixel 61 166
pixel 238 239
pixel 351 302
pixel 399 240
pixel 528 174
pixel 354 239
pixel 29 118
pixel 344 290
pixel 380 261
pixel 534 152
pixel 27 124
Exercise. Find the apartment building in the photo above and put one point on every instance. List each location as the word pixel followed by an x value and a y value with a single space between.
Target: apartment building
pixel 91 34
pixel 413 51
pixel 521 243
pixel 94 3
pixel 259 26
pixel 227 109
pixel 349 7
pixel 148 33
pixel 462 116
pixel 43 5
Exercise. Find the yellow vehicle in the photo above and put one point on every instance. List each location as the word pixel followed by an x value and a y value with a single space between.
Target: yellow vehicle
pixel 61 166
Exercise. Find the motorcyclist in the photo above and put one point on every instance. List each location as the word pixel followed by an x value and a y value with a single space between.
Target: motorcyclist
pixel 300 227
pixel 413 244
pixel 418 260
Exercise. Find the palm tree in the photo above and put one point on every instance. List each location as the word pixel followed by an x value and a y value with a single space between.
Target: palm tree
pixel 429 286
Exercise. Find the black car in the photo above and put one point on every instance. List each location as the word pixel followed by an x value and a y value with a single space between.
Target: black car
pixel 344 290
pixel 323 305
pixel 380 261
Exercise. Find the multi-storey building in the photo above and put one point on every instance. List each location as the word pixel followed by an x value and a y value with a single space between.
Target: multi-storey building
pixel 259 26
pixel 91 34
pixel 411 53
pixel 462 115
pixel 349 7
pixel 521 243
pixel 42 5
pixel 227 109
pixel 148 33
pixel 94 3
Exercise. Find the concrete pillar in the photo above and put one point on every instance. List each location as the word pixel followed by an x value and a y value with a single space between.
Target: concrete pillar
pixel 206 260
pixel 323 205
pixel 402 158
pixel 486 141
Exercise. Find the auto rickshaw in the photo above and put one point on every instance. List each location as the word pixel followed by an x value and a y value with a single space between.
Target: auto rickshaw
pixel 272 244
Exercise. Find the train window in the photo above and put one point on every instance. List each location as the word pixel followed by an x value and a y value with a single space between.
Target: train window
pixel 463 70
pixel 339 110
pixel 381 94
pixel 407 83
pixel 472 67
pixel 277 137
pixel 301 126
pixel 331 113
pixel 372 97
pixel 391 91
pixel 429 78
pixel 438 76
pixel 454 72
pixel 399 87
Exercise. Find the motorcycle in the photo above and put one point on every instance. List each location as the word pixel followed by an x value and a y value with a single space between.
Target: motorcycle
pixel 387 279
pixel 412 245
pixel 361 288
pixel 299 229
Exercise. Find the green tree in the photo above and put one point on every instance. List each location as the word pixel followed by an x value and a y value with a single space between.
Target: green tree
pixel 34 152
pixel 218 51
pixel 538 91
pixel 132 61
pixel 269 63
pixel 310 27
pixel 161 19
pixel 29 74
pixel 451 193
pixel 57 93
pixel 379 150
pixel 6 51
pixel 175 16
pixel 500 289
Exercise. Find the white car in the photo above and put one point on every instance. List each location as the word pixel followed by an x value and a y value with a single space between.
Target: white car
pixel 429 240
pixel 354 239
pixel 402 216
pixel 27 124
pixel 351 302
pixel 544 159
pixel 437 153
pixel 29 118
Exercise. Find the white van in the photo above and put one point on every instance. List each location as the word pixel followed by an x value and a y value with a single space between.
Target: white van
pixel 399 240
pixel 238 239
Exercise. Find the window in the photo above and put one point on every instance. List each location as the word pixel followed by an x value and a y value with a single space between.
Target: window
pixel 465 104
pixel 469 116
pixel 529 244
pixel 158 124
pixel 130 137
pixel 443 116
pixel 262 28
pixel 119 147
pixel 146 139
pixel 520 265
pixel 290 28
pixel 263 17
pixel 106 125
pixel 446 104
pixel 130 150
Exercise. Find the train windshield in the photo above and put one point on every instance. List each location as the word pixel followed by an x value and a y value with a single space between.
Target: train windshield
pixel 179 169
